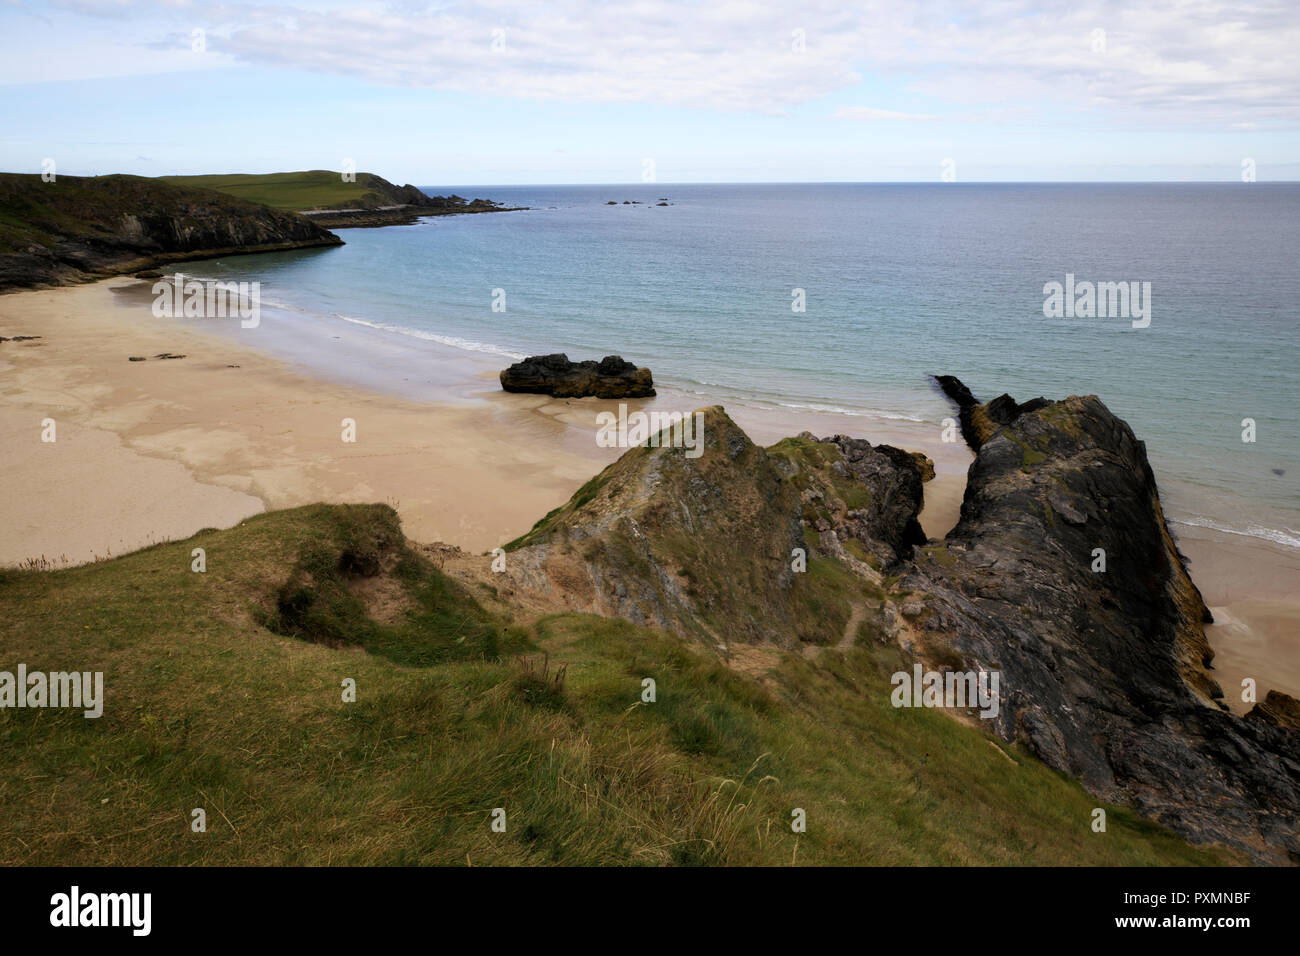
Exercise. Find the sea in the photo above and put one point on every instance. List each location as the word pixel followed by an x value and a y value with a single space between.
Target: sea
pixel 842 299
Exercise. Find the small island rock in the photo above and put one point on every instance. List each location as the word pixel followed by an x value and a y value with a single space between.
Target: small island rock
pixel 555 375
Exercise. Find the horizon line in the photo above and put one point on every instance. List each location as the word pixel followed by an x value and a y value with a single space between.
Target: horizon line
pixel 723 182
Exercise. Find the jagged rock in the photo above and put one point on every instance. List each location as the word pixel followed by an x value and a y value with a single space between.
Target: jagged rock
pixel 1105 673
pixel 1278 709
pixel 879 501
pixel 980 422
pixel 555 375
pixel 699 546
pixel 707 547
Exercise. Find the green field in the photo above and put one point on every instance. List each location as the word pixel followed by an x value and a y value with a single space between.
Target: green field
pixel 311 189
pixel 223 692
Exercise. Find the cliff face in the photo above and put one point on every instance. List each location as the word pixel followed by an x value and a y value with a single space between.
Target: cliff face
pixel 80 228
pixel 1106 670
pixel 1105 674
pixel 740 544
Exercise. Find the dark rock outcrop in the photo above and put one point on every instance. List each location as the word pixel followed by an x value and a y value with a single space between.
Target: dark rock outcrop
pixel 724 547
pixel 979 422
pixel 555 375
pixel 388 204
pixel 1105 673
pixel 1278 709
pixel 385 204
pixel 869 494
pixel 79 228
pixel 1105 670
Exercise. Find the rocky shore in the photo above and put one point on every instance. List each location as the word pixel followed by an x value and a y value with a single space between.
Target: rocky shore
pixel 409 205
pixel 1061 575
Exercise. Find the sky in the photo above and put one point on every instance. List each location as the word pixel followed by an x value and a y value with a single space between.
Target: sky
pixel 574 91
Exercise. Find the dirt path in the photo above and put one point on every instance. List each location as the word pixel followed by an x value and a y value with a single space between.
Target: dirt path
pixel 851 626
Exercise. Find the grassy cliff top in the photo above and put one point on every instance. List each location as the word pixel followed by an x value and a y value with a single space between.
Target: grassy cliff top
pixel 90 207
pixel 223 691
pixel 85 227
pixel 306 189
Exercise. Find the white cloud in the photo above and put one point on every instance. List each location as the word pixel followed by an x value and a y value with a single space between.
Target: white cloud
pixel 1202 62
pixel 866 113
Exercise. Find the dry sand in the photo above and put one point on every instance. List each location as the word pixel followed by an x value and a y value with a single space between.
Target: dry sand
pixel 157 450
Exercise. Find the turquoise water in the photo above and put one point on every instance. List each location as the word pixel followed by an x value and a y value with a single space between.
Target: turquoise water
pixel 900 281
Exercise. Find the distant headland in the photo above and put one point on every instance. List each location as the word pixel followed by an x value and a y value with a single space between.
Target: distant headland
pixel 82 228
pixel 333 202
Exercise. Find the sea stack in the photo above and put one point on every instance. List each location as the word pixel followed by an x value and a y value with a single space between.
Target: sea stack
pixel 555 375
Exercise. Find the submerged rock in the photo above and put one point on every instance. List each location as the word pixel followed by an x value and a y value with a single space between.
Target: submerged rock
pixel 555 375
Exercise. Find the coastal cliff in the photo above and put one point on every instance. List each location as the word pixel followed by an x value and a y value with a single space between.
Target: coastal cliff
pixel 1105 670
pixel 1062 574
pixel 330 201
pixel 82 228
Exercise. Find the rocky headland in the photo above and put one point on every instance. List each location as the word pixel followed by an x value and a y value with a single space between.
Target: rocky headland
pixel 80 228
pixel 1061 575
pixel 386 204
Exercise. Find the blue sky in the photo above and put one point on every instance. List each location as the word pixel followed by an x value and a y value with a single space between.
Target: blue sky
pixel 724 91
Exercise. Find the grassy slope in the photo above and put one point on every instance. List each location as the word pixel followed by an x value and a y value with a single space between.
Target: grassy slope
pixel 36 213
pixel 91 209
pixel 308 189
pixel 456 714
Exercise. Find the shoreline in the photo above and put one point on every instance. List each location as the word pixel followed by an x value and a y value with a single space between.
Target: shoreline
pixel 159 449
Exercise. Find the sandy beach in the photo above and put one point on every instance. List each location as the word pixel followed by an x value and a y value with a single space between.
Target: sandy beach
pixel 155 450
pixel 158 449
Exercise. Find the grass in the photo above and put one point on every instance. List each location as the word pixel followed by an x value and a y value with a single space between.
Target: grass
pixel 1030 457
pixel 78 228
pixel 308 189
pixel 582 496
pixel 218 697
